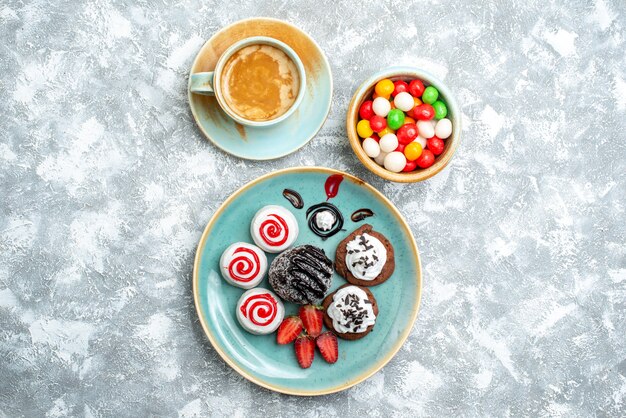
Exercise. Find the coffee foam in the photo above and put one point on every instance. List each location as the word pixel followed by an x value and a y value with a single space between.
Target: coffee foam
pixel 260 82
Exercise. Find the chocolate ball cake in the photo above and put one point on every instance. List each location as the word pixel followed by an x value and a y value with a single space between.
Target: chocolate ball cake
pixel 301 274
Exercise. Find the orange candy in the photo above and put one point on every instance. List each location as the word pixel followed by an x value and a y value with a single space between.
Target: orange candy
pixel 413 151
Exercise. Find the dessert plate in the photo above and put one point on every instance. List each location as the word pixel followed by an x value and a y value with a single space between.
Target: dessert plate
pixel 264 143
pixel 258 357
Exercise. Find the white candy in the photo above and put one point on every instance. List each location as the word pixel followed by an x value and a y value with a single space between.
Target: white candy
pixel 395 161
pixel 380 160
pixel 381 106
pixel 371 147
pixel 426 129
pixel 443 128
pixel 388 143
pixel 404 101
pixel 420 140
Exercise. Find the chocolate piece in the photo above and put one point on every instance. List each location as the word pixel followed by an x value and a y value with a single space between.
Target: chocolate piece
pixel 328 321
pixel 302 274
pixel 361 214
pixel 340 258
pixel 294 198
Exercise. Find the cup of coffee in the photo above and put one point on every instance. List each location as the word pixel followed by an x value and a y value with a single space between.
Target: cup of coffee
pixel 258 81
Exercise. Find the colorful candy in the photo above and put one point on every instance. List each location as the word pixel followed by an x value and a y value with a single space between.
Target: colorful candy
pixel 404 101
pixel 386 131
pixel 412 151
pixel 395 161
pixel 435 145
pixel 410 166
pixel 427 130
pixel 388 143
pixel 441 110
pixel 371 147
pixel 381 106
pixel 443 129
pixel 404 125
pixel 416 88
pixel 407 133
pixel 378 123
pixel 430 95
pixel 384 88
pixel 424 112
pixel 426 159
pixel 380 160
pixel 420 140
pixel 399 87
pixel 363 128
pixel 395 118
pixel 366 111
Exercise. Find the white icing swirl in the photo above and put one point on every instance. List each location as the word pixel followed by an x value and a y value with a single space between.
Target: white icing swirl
pixel 325 220
pixel 351 310
pixel 366 257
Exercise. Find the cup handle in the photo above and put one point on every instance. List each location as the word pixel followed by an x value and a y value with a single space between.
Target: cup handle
pixel 202 83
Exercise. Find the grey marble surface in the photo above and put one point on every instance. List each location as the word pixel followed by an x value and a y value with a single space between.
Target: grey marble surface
pixel 106 186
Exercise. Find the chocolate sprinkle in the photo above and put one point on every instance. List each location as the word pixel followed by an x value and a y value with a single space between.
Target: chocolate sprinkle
pixel 361 214
pixel 353 312
pixel 294 198
pixel 312 212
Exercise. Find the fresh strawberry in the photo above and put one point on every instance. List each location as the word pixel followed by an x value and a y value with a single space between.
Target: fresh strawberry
pixel 312 318
pixel 327 344
pixel 305 351
pixel 289 330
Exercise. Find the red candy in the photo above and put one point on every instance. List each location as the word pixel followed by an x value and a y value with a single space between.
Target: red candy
pixel 399 87
pixel 435 145
pixel 407 133
pixel 375 137
pixel 410 166
pixel 424 112
pixel 378 123
pixel 366 111
pixel 426 159
pixel 400 147
pixel 416 88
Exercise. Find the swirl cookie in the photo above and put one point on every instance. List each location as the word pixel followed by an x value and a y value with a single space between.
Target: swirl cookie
pixel 302 274
pixel 274 228
pixel 243 265
pixel 350 312
pixel 365 257
pixel 259 311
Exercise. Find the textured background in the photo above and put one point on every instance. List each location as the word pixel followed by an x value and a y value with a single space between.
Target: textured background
pixel 106 186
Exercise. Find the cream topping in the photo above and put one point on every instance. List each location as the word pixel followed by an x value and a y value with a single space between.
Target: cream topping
pixel 351 310
pixel 366 257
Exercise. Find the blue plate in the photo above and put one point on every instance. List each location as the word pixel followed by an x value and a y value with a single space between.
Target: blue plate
pixel 264 143
pixel 259 358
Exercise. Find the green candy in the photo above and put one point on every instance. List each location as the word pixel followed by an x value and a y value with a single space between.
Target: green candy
pixel 395 118
pixel 441 110
pixel 430 95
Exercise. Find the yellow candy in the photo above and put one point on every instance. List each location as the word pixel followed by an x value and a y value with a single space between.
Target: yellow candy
pixel 363 128
pixel 386 131
pixel 413 151
pixel 384 88
pixel 408 120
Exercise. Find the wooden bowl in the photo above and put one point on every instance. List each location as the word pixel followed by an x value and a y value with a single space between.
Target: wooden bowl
pixel 364 92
